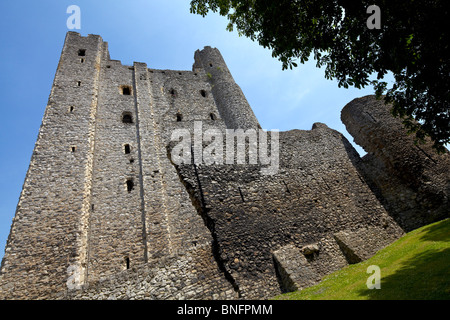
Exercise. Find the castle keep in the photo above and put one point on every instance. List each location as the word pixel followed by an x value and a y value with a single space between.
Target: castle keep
pixel 105 212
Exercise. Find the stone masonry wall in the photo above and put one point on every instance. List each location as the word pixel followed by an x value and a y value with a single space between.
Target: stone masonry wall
pixel 107 213
pixel 187 276
pixel 316 195
pixel 45 250
pixel 78 220
pixel 412 180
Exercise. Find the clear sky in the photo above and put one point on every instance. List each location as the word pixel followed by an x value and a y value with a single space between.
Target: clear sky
pixel 161 33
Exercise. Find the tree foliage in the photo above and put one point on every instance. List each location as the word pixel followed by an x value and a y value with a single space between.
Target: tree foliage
pixel 413 44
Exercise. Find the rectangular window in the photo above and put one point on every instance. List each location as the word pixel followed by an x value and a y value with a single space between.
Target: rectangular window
pixel 130 185
pixel 126 91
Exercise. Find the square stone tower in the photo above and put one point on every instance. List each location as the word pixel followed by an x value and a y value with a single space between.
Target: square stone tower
pixel 100 195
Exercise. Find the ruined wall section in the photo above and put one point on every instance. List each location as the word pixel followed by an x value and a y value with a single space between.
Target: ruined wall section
pixel 176 102
pixel 412 180
pixel 46 249
pixel 316 194
pixel 157 217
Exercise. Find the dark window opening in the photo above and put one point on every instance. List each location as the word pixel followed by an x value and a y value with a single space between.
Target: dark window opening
pixel 212 116
pixel 79 83
pixel 73 149
pixel 309 256
pixel 127 263
pixel 210 64
pixel 82 52
pixel 203 93
pixel 173 93
pixel 179 117
pixel 127 118
pixel 131 160
pixel 242 196
pixel 130 185
pixel 127 149
pixel 92 207
pixel 82 60
pixel 71 109
pixel 126 91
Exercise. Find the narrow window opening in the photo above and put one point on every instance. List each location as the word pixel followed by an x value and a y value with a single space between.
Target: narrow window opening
pixel 71 109
pixel 92 207
pixel 127 118
pixel 82 60
pixel 242 196
pixel 73 149
pixel 287 188
pixel 131 160
pixel 127 149
pixel 82 52
pixel 130 185
pixel 79 83
pixel 203 93
pixel 173 93
pixel 126 91
pixel 210 64
pixel 212 116
pixel 179 117
pixel 127 263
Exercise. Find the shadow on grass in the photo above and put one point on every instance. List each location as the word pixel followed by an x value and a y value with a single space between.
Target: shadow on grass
pixel 437 232
pixel 426 276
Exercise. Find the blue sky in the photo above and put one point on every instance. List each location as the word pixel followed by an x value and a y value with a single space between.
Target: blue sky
pixel 165 36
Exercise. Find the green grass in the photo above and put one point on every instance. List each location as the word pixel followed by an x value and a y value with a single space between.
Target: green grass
pixel 415 267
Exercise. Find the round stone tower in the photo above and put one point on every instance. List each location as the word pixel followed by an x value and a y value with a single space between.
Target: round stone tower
pixel 231 102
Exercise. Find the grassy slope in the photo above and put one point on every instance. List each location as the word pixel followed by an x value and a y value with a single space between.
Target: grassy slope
pixel 417 266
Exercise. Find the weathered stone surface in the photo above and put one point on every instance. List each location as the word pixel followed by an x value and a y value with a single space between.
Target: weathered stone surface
pixel 316 193
pixel 106 212
pixel 294 271
pixel 359 245
pixel 411 180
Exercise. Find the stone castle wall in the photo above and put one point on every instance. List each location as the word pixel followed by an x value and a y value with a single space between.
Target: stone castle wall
pixel 411 179
pixel 317 200
pixel 106 213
